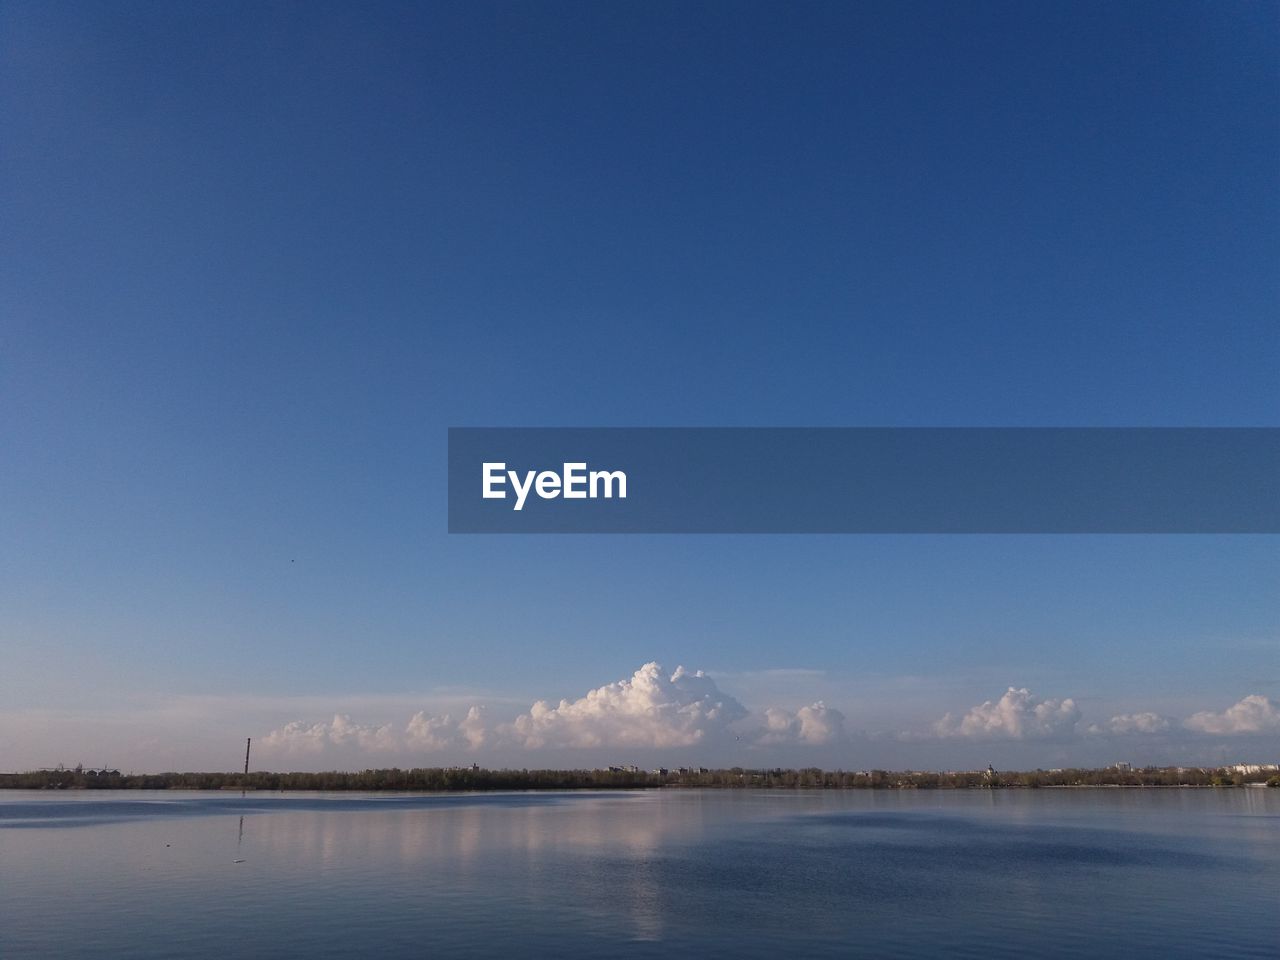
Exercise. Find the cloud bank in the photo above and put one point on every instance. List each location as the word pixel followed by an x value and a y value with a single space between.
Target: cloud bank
pixel 1130 723
pixel 815 724
pixel 1253 714
pixel 299 736
pixel 644 718
pixel 649 710
pixel 439 731
pixel 655 710
pixel 1015 716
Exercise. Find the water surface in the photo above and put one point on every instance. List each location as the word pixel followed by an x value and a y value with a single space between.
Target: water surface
pixel 1143 873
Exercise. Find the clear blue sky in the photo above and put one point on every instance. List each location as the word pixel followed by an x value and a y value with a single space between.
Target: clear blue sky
pixel 258 257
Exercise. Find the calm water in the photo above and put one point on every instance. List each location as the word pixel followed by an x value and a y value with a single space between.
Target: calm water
pixel 1169 873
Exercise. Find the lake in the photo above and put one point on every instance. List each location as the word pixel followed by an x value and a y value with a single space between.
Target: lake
pixel 1064 873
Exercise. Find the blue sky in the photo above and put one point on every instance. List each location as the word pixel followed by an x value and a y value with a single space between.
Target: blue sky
pixel 256 260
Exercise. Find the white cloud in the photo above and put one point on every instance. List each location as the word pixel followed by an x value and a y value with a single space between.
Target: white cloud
pixel 367 737
pixel 1015 716
pixel 1132 723
pixel 472 728
pixel 814 724
pixel 299 736
pixel 1253 714
pixel 429 731
pixel 424 731
pixel 649 710
pixel 342 730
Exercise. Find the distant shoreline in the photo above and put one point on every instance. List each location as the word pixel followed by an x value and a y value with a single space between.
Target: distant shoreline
pixel 475 779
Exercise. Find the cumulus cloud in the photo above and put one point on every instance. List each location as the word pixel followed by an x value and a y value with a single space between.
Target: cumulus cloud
pixel 814 724
pixel 1132 723
pixel 341 730
pixel 1253 714
pixel 429 731
pixel 424 732
pixel 300 736
pixel 648 710
pixel 344 730
pixel 1015 716
pixel 472 730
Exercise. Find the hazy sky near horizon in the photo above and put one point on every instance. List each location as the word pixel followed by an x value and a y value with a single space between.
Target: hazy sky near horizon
pixel 257 258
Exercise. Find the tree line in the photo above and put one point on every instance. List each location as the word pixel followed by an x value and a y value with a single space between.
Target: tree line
pixel 454 779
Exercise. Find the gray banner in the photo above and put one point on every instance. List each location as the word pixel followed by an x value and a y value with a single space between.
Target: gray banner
pixel 864 480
